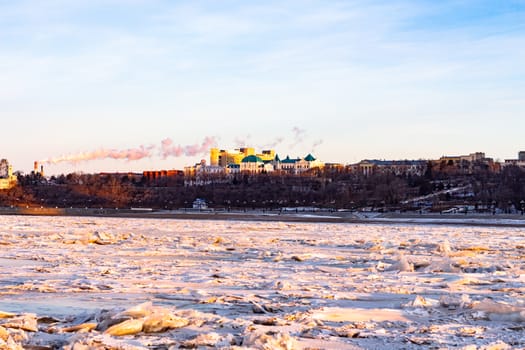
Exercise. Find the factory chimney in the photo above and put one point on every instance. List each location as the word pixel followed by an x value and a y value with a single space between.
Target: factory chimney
pixel 36 169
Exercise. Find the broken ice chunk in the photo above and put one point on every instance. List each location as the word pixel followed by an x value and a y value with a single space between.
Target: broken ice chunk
pixel 402 265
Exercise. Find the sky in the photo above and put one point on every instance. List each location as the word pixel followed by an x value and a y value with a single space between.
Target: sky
pixel 139 85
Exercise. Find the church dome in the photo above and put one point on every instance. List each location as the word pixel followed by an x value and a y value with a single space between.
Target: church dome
pixel 252 159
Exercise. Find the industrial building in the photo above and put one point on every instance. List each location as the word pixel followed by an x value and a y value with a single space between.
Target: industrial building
pixel 38 169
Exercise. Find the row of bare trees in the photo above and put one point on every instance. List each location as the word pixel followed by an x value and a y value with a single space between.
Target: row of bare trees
pixel 335 188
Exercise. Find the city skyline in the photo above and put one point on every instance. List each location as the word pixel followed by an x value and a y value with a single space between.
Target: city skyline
pixel 139 85
pixel 210 162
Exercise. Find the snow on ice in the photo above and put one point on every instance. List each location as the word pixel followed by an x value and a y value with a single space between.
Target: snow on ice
pixel 110 283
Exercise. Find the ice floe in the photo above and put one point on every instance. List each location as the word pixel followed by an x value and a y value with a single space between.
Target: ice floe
pixel 110 283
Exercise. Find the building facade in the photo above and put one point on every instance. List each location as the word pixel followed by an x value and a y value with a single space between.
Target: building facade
pixel 203 174
pixel 224 158
pixel 252 164
pixel 7 179
pixel 396 167
pixel 297 165
pixel 520 162
pixel 249 161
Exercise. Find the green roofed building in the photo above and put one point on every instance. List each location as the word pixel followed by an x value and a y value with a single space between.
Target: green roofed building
pixel 309 158
pixel 255 164
pixel 297 165
pixel 252 159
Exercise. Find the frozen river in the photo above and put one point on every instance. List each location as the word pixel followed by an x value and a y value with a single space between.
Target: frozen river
pixel 109 283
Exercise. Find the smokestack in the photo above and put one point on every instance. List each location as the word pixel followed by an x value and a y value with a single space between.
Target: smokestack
pixel 42 170
pixel 35 168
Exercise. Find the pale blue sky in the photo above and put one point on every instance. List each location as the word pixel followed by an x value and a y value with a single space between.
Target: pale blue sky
pixel 347 80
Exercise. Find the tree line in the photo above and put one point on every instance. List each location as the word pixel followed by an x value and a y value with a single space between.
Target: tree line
pixel 436 189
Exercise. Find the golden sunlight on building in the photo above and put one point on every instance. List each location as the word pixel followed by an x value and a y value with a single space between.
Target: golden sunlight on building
pixel 7 179
pixel 224 158
pixel 244 160
pixel 247 160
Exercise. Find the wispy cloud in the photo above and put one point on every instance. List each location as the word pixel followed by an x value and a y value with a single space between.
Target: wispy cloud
pixel 281 41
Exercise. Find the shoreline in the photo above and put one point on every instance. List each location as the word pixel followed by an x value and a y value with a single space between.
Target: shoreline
pixel 473 219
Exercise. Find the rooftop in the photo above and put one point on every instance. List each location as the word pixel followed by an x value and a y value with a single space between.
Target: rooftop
pixel 309 158
pixel 252 159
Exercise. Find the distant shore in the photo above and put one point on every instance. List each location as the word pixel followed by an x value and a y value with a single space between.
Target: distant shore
pixel 471 219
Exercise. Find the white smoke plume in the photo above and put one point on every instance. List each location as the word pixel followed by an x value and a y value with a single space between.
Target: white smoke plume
pixel 276 142
pixel 129 154
pixel 316 144
pixel 298 135
pixel 242 142
pixel 167 149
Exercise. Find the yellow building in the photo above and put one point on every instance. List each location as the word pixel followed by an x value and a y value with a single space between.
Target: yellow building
pixel 267 155
pixel 214 156
pixel 246 160
pixel 226 157
pixel 7 179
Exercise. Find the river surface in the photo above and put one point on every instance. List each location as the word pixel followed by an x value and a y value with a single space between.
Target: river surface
pixel 263 284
